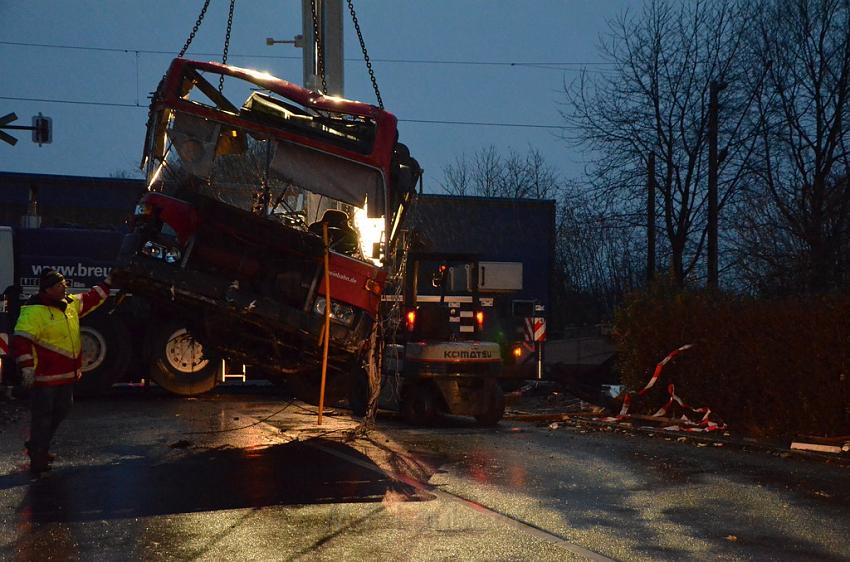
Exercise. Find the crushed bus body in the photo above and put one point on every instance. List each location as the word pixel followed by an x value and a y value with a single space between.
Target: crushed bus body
pixel 227 242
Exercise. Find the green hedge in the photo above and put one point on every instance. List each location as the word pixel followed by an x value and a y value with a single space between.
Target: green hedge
pixel 766 367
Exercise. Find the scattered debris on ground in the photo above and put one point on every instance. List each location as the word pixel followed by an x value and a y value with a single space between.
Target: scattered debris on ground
pixel 546 404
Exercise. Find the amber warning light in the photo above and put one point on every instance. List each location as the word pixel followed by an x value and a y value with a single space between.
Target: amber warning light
pixel 411 320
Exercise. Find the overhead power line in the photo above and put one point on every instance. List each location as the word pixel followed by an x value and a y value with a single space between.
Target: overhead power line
pixel 482 124
pixel 74 102
pixel 544 65
pixel 423 121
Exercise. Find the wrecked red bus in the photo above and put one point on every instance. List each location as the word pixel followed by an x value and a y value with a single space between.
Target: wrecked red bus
pixel 226 245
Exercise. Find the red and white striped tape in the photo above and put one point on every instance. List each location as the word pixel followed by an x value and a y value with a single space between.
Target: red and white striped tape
pixel 705 424
pixel 4 343
pixel 658 368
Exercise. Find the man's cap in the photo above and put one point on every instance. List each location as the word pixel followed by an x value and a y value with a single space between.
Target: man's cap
pixel 49 277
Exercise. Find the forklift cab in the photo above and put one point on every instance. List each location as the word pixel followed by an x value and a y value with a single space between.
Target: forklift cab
pixel 443 364
pixel 441 300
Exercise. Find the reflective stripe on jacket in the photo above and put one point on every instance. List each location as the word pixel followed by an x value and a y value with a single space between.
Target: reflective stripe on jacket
pixel 48 337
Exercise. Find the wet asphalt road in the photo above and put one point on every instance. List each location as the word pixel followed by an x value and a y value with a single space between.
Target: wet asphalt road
pixel 233 476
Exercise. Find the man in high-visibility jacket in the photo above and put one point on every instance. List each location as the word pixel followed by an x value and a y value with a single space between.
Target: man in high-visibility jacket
pixel 47 348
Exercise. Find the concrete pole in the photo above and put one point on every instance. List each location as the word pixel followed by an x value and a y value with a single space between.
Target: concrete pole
pixel 329 16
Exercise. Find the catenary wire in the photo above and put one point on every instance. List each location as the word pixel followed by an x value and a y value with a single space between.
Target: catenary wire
pixel 419 121
pixel 75 102
pixel 544 65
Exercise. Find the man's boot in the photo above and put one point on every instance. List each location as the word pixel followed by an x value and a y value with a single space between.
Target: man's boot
pixel 38 463
pixel 50 457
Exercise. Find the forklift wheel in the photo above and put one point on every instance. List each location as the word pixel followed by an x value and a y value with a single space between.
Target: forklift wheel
pixel 419 404
pixel 495 406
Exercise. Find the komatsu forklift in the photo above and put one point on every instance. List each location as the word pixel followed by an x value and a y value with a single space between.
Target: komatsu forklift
pixel 438 361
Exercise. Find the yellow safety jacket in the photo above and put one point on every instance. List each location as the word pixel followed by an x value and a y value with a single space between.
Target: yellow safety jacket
pixel 47 335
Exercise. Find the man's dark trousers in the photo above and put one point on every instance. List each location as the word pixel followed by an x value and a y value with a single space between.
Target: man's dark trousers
pixel 49 406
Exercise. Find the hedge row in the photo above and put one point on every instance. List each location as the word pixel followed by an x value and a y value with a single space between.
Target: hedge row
pixel 766 367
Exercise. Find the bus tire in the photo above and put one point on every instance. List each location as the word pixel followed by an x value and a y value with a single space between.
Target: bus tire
pixel 179 363
pixel 106 351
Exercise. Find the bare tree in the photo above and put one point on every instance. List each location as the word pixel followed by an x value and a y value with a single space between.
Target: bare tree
pixel 457 178
pixel 657 101
pixel 127 174
pixel 599 257
pixel 543 181
pixel 795 224
pixel 487 172
pixel 490 174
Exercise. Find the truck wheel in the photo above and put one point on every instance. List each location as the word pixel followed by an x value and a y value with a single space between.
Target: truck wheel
pixel 179 363
pixel 419 404
pixel 106 353
pixel 495 405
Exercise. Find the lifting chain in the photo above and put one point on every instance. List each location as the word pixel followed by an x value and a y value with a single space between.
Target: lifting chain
pixel 194 29
pixel 226 45
pixel 365 54
pixel 320 48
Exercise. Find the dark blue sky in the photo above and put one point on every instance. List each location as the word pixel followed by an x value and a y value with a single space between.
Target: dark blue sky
pixel 485 61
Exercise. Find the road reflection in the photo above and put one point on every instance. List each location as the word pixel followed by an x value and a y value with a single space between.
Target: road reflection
pixel 298 472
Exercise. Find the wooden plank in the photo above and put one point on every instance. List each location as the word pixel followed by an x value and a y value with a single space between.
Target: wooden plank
pixel 538 417
pixel 552 416
pixel 657 419
pixel 815 447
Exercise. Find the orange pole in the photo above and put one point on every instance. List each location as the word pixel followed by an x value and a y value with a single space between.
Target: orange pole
pixel 326 329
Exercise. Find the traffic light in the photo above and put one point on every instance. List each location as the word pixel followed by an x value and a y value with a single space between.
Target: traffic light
pixel 42 129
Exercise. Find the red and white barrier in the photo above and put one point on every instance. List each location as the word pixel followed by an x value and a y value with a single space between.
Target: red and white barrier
pixel 703 425
pixel 535 329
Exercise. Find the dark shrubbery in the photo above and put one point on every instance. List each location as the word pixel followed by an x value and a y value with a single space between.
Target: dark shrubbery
pixel 766 367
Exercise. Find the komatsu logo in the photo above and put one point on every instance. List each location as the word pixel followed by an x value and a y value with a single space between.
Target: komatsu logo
pixel 465 354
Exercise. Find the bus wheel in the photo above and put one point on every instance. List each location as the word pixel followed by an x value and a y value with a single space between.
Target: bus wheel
pixel 106 353
pixel 179 363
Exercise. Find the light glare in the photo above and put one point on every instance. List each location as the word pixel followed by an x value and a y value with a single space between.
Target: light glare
pixel 371 231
